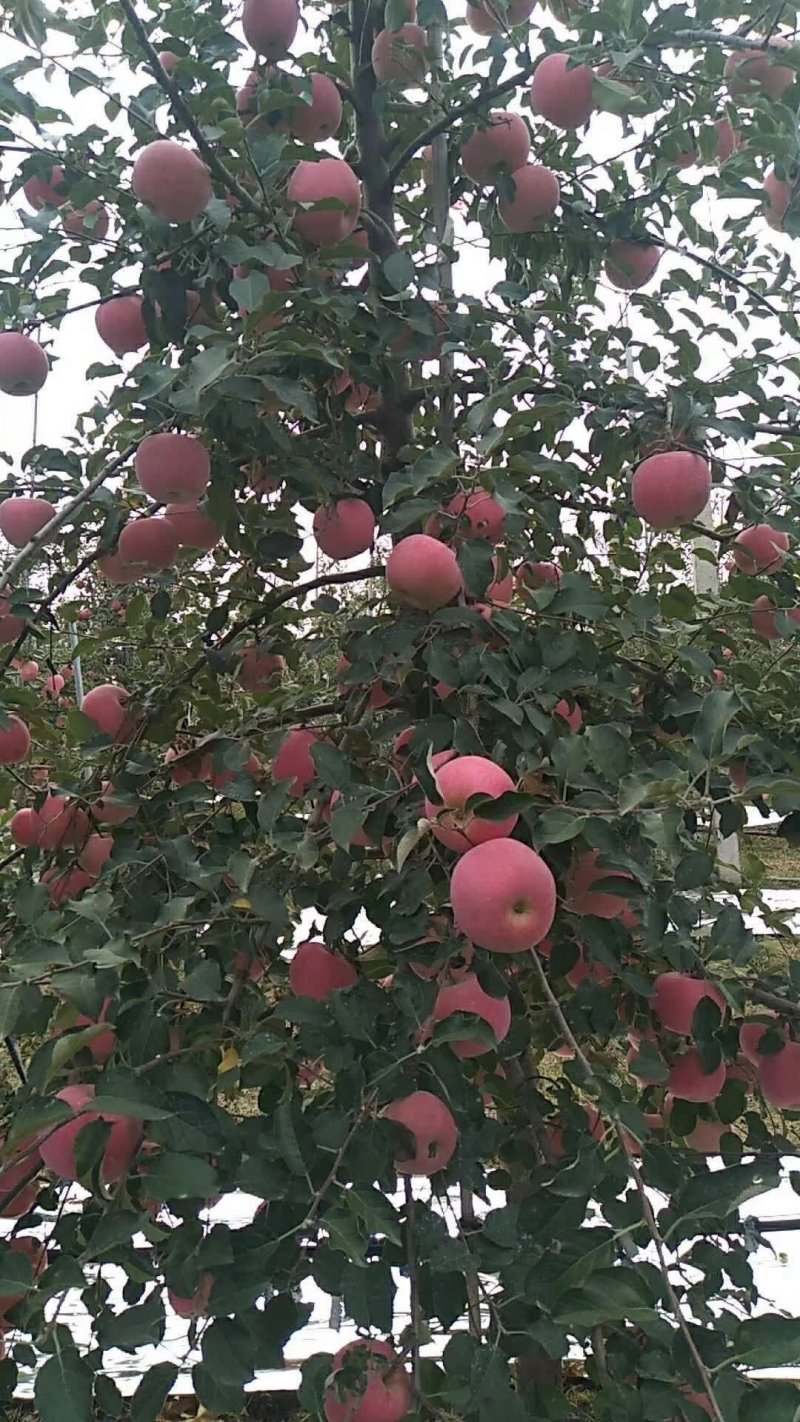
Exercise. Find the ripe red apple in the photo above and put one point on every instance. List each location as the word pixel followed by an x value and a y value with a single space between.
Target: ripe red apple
pixel 270 26
pixel 115 570
pixel 760 549
pixel 173 468
pixel 172 181
pixel 28 671
pixel 259 669
pixel 316 972
pixel 65 884
pixel 21 518
pixel 423 572
pixel 763 617
pixel 500 146
pixel 24 366
pixel 53 687
pixel 328 179
pixel 400 55
pixel 536 196
pixel 382 1394
pixel 676 998
pixel 187 768
pixel 671 489
pixel 729 140
pixel 779 1077
pixel 485 18
pixel 343 529
pixel 538 575
pixel 102 1046
pixel 96 852
pixel 19 1188
pixel 25 827
pixel 120 324
pixel 501 590
pixel 293 761
pixel 468 996
pixel 432 1127
pixel 459 779
pixel 58 1149
pixel 570 712
pixel 91 221
pixel 15 741
pixel 478 515
pixel 630 265
pixel 689 1082
pixel 63 823
pixel 750 1034
pixel 778 194
pixel 192 528
pixel 84 614
pixel 105 705
pixel 503 896
pixel 582 898
pixel 148 545
pixel 106 810
pixel 46 192
pixel 321 119
pixel 168 60
pixel 197 1305
pixel 750 71
pixel 561 92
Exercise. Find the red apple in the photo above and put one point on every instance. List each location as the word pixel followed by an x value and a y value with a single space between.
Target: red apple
pixel 468 996
pixel 503 896
pixel 400 55
pixel 120 324
pixel 434 1132
pixel 293 761
pixel 561 92
pixel 383 1392
pixel 671 489
pixel 321 119
pixel 259 669
pixel 172 181
pixel 173 468
pixel 501 145
pixel 327 179
pixel 15 741
pixel 24 366
pixel 690 1082
pixel 630 265
pixel 270 26
pixel 459 779
pixel 192 528
pixel 423 572
pixel 25 827
pixel 57 1148
pixel 760 549
pixel 343 529
pixel 316 972
pixel 148 545
pixel 779 1077
pixel 106 706
pixel 536 196
pixel 676 998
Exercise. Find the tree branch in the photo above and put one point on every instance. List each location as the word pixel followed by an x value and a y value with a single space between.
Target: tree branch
pixel 60 517
pixel 647 1209
pixel 470 106
pixel 182 111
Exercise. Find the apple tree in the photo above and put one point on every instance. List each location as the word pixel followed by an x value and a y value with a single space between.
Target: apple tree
pixel 426 546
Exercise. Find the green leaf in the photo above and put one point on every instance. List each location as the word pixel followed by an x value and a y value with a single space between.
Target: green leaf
pixel 228 1352
pixel 717 710
pixel 769 1341
pixel 694 870
pixel 608 1295
pixel 152 1392
pixel 63 1389
pixel 398 269
pixel 556 826
pixel 431 468
pixel 171 1176
pixel 368 1293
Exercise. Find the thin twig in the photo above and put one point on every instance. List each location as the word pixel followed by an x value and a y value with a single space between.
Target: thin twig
pixel 183 112
pixel 647 1209
pixel 61 516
